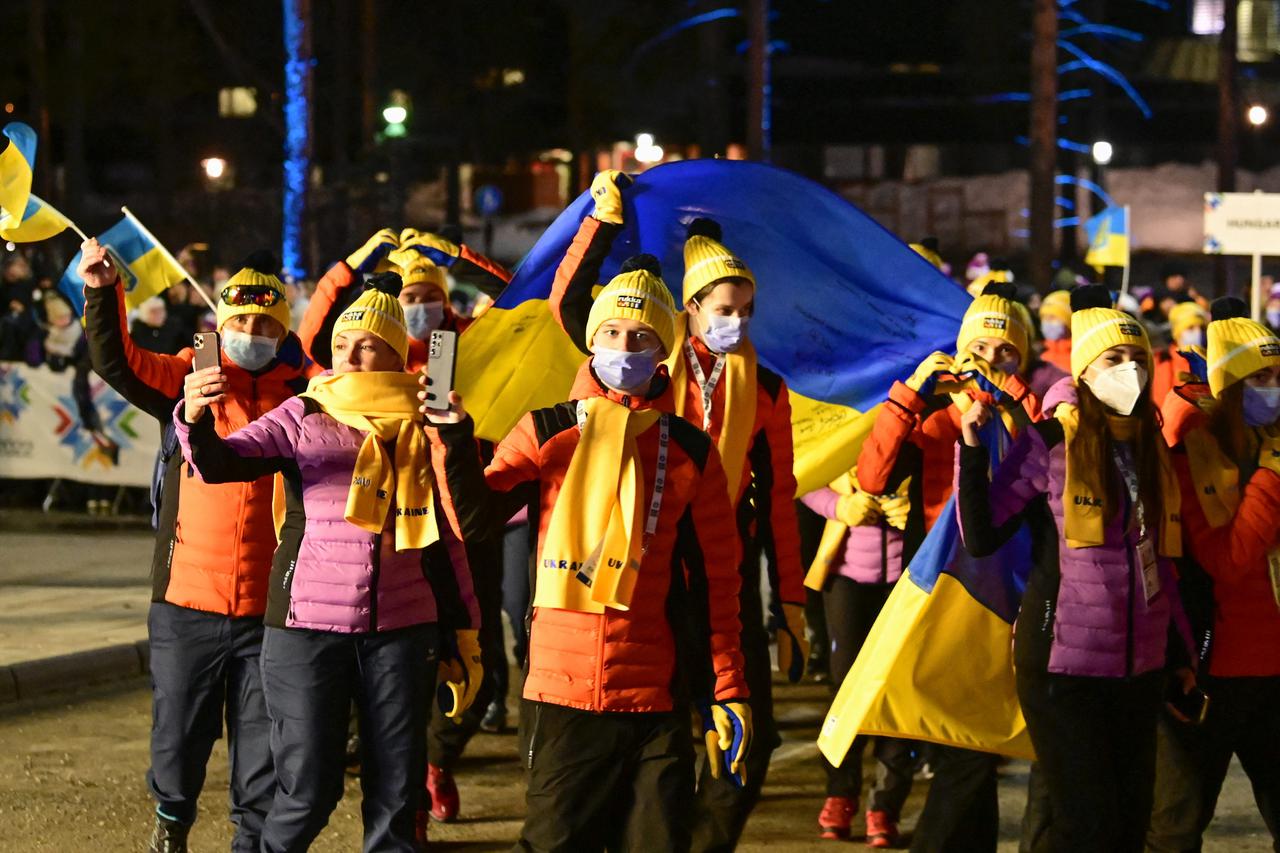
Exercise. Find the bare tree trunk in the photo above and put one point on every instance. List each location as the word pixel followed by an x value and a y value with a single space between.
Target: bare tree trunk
pixel 1228 124
pixel 1044 137
pixel 758 137
pixel 713 98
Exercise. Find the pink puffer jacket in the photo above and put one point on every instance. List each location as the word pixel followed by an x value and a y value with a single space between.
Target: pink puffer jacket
pixel 328 574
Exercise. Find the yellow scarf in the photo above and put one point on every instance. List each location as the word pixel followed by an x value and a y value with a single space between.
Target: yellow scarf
pixel 739 381
pixel 591 554
pixel 384 404
pixel 1215 476
pixel 1084 510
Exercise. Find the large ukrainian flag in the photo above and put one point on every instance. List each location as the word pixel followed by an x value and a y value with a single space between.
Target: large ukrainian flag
pixel 938 663
pixel 39 221
pixel 146 267
pixel 17 162
pixel 844 307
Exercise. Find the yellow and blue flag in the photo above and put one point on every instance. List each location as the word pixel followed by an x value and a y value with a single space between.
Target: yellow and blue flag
pixel 17 162
pixel 146 267
pixel 1108 238
pixel 39 221
pixel 844 306
pixel 937 665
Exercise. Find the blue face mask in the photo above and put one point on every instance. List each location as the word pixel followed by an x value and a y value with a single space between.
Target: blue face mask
pixel 249 351
pixel 1053 330
pixel 1261 406
pixel 423 318
pixel 1273 318
pixel 622 370
pixel 724 334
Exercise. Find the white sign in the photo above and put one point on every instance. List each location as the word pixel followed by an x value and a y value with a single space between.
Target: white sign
pixel 41 435
pixel 1242 223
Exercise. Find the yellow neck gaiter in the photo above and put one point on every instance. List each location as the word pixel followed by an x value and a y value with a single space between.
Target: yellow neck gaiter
pixel 591 554
pixel 739 420
pixel 1084 502
pixel 384 404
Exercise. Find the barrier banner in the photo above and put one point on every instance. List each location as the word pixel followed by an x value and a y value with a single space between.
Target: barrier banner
pixel 41 435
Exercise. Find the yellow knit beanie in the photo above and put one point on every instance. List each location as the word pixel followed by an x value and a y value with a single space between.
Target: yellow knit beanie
pixel 378 312
pixel 707 261
pixel 255 289
pixel 1184 315
pixel 1238 346
pixel 416 268
pixel 996 314
pixel 1057 305
pixel 1096 329
pixel 636 293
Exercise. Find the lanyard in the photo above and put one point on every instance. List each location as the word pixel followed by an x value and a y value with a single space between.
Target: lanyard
pixel 659 476
pixel 707 386
pixel 1123 456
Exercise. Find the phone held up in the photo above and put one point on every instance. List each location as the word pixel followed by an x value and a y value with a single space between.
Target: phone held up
pixel 208 347
pixel 442 356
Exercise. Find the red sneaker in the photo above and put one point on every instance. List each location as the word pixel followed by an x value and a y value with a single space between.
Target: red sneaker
pixel 837 814
pixel 881 832
pixel 444 794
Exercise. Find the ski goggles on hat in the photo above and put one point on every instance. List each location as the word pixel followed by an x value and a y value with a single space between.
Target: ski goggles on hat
pixel 240 295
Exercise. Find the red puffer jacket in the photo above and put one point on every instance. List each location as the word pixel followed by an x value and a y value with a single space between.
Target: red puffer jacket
pixel 617 660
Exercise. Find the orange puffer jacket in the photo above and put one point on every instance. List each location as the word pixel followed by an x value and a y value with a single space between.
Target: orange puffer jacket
pixel 907 440
pixel 1246 620
pixel 214 543
pixel 679 617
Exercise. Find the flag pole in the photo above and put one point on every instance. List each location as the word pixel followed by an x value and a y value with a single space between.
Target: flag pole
pixel 170 258
pixel 1128 252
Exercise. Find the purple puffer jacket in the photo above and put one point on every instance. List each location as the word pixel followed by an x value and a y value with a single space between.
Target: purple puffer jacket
pixel 338 577
pixel 872 553
pixel 1102 624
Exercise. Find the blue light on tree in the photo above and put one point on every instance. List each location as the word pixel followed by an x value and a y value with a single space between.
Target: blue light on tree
pixel 297 132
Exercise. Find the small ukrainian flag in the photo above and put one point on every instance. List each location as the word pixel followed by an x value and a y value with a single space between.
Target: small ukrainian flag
pixel 16 163
pixel 146 267
pixel 1108 238
pixel 39 221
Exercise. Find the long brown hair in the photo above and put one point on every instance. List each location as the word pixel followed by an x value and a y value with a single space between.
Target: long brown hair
pixel 1094 438
pixel 1227 426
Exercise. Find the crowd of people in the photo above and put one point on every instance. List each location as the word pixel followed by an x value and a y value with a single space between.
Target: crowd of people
pixel 334 558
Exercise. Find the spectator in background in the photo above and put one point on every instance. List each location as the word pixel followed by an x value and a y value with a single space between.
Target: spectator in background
pixel 17 279
pixel 1173 288
pixel 184 308
pixel 298 295
pixel 1273 308
pixel 63 339
pixel 17 328
pixel 154 330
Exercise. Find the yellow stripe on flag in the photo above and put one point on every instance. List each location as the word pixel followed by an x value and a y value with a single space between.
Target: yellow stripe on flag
pixel 944 638
pixel 155 274
pixel 43 222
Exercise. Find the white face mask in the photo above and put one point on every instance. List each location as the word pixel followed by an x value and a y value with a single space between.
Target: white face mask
pixel 1261 406
pixel 1119 386
pixel 723 334
pixel 1193 337
pixel 422 318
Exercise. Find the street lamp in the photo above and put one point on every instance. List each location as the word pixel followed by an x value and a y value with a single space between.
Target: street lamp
pixel 646 152
pixel 1258 115
pixel 1102 152
pixel 214 168
pixel 394 114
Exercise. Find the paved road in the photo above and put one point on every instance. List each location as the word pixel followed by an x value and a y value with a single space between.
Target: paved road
pixel 71 778
pixel 69 591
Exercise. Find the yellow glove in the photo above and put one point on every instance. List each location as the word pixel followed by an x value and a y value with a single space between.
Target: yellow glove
pixel 367 258
pixel 896 508
pixel 433 247
pixel 858 509
pixel 1269 455
pixel 606 189
pixel 925 380
pixel 978 373
pixel 793 646
pixel 460 677
pixel 726 728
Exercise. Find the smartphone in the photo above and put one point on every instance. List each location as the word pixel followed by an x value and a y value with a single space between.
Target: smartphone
pixel 208 347
pixel 442 357
pixel 1194 705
